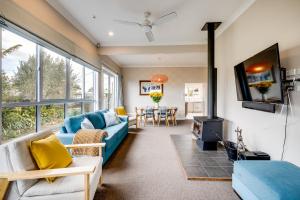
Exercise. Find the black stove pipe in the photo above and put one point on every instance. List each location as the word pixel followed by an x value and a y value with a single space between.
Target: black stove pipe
pixel 211 66
pixel 210 27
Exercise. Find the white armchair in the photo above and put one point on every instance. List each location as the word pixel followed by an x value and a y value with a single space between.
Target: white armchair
pixel 132 118
pixel 78 181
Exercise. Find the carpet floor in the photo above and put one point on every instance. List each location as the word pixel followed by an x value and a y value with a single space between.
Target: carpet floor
pixel 146 167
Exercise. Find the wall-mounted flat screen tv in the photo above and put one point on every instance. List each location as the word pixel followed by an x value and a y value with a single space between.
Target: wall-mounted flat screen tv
pixel 258 79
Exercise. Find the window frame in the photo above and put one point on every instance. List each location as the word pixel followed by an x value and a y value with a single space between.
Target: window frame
pixel 113 75
pixel 39 101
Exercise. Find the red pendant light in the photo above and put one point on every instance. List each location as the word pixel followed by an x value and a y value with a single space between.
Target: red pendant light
pixel 159 78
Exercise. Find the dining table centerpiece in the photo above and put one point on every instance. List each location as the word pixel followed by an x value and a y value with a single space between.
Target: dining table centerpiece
pixel 156 97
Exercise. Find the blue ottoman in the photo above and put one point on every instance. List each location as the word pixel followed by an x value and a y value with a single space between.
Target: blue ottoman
pixel 266 180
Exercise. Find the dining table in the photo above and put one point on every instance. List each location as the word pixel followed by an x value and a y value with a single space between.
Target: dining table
pixel 171 111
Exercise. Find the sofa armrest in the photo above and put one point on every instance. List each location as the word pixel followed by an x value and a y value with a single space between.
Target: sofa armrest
pixel 65 138
pixel 46 173
pixel 59 172
pixel 123 118
pixel 85 145
pixel 99 145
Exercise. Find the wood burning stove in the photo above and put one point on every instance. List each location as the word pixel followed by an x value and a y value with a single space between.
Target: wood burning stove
pixel 209 130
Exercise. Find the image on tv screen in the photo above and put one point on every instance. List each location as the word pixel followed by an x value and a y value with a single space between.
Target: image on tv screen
pixel 261 74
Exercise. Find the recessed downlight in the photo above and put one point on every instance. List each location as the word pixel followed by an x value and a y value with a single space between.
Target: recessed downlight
pixel 110 33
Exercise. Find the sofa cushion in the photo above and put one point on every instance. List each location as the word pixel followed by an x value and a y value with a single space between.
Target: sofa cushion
pixel 101 112
pixel 97 120
pixel 65 138
pixel 68 184
pixel 87 124
pixel 73 124
pixel 269 179
pixel 123 118
pixel 50 153
pixel 63 129
pixel 21 159
pixel 111 119
pixel 114 130
pixel 121 110
pixel 113 138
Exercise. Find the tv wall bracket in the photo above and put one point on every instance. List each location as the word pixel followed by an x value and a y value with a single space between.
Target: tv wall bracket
pixel 289 80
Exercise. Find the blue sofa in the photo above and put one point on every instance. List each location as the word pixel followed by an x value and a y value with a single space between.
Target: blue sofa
pixel 266 180
pixel 116 133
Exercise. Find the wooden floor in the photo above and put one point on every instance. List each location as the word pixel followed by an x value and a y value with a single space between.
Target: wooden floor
pixel 202 165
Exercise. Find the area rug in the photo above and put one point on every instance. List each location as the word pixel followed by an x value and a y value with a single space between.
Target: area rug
pixel 201 165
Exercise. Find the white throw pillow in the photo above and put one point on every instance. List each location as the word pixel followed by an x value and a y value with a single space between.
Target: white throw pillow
pixel 87 124
pixel 111 119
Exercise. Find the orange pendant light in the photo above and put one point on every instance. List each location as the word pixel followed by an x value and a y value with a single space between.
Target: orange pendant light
pixel 159 78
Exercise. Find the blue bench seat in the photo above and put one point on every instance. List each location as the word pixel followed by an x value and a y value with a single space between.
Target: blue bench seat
pixel 266 180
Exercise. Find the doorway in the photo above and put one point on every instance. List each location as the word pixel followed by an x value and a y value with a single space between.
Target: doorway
pixel 194 100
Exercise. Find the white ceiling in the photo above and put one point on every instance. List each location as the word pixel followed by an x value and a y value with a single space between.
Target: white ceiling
pixel 162 60
pixel 185 29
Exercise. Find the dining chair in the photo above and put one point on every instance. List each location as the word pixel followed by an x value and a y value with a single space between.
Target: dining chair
pixel 163 113
pixel 173 112
pixel 140 116
pixel 149 114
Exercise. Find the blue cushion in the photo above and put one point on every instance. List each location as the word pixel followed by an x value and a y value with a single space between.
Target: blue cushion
pixel 123 118
pixel 65 138
pixel 97 120
pixel 274 180
pixel 73 124
pixel 114 135
pixel 115 129
pixel 100 112
pixel 63 129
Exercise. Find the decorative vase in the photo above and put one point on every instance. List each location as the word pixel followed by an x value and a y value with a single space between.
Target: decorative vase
pixel 156 105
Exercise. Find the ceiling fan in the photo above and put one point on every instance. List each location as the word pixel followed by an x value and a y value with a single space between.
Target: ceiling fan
pixel 147 25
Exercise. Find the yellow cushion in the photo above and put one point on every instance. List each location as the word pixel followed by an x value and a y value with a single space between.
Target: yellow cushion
pixel 121 110
pixel 50 153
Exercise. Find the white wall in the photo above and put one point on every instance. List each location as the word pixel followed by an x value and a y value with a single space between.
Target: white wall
pixel 173 89
pixel 266 22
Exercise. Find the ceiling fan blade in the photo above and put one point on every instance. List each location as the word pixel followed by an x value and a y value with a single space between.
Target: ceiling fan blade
pixel 149 36
pixel 127 22
pixel 165 18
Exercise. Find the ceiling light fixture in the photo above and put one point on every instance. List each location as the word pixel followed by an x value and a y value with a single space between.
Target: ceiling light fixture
pixel 159 78
pixel 110 33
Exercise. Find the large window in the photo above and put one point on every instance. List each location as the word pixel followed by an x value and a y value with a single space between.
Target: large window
pixel 41 85
pixel 18 121
pixel 89 83
pixel 18 68
pixel 54 75
pixel 76 80
pixel 110 90
pixel 73 109
pixel 52 115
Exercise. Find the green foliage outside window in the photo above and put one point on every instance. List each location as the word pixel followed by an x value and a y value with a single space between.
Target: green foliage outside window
pixel 21 87
pixel 17 121
pixel 52 115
